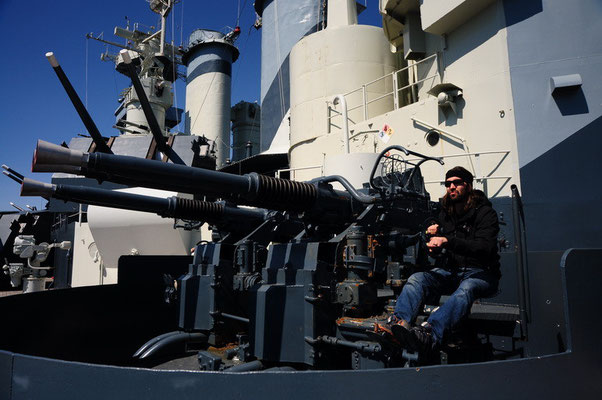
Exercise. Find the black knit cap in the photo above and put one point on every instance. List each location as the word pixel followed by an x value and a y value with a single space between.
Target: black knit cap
pixel 461 173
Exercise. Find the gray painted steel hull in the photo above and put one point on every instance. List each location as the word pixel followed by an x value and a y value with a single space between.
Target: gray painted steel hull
pixel 575 372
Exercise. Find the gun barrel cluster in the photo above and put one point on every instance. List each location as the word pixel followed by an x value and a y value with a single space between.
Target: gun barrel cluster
pixel 250 189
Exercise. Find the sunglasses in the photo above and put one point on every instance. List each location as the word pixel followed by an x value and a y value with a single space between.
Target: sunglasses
pixel 456 183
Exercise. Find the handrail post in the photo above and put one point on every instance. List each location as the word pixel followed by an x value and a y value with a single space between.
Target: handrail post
pixel 518 221
pixel 328 117
pixel 394 79
pixel 365 102
pixel 478 174
pixel 341 98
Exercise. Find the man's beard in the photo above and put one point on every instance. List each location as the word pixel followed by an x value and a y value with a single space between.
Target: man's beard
pixel 459 198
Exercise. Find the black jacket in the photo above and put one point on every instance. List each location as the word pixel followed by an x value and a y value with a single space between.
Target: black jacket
pixel 472 237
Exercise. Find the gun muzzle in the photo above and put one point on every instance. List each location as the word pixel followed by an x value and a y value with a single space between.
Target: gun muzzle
pixel 30 187
pixel 49 157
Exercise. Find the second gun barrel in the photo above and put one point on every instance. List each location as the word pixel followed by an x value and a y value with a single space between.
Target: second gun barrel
pixel 171 207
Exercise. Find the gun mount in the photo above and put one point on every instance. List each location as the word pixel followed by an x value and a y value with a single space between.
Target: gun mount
pixel 304 286
pixel 31 274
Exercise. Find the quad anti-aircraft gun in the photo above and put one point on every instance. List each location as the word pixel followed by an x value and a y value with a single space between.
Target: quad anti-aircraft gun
pixel 299 282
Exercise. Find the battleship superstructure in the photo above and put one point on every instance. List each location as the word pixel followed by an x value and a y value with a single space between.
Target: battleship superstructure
pixel 98 235
pixel 291 293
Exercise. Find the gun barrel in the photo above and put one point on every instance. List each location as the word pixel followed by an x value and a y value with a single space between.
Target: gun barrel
pixel 171 207
pixel 250 189
pixel 148 111
pixel 79 106
pixel 146 107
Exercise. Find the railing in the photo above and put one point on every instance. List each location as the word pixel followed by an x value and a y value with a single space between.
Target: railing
pixel 293 170
pixel 477 170
pixel 412 71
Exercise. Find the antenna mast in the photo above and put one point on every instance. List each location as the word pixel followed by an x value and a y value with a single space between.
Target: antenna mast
pixel 163 8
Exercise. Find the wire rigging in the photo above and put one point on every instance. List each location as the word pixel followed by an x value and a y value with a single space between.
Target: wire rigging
pixel 174 67
pixel 235 76
pixel 182 23
pixel 279 59
pixel 203 102
pixel 240 11
pixel 86 89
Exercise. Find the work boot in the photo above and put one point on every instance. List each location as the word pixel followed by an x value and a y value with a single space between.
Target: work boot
pixel 422 340
pixel 392 324
pixel 400 328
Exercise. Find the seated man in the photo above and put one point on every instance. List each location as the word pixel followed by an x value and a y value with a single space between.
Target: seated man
pixel 468 269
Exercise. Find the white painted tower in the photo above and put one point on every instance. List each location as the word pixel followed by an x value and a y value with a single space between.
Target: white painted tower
pixel 208 58
pixel 334 61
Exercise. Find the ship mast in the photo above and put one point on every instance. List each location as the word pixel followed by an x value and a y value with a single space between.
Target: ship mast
pixel 163 8
pixel 154 65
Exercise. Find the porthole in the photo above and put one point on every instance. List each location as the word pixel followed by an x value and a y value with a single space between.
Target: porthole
pixel 432 137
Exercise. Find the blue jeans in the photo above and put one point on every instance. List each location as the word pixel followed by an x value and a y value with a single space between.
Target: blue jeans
pixel 464 286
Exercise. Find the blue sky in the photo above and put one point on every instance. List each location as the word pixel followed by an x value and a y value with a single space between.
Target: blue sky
pixel 34 105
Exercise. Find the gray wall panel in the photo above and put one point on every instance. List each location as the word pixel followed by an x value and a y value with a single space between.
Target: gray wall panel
pixel 563 195
pixel 545 39
pixel 558 134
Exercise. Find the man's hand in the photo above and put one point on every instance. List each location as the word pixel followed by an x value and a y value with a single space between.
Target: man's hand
pixel 432 230
pixel 436 242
